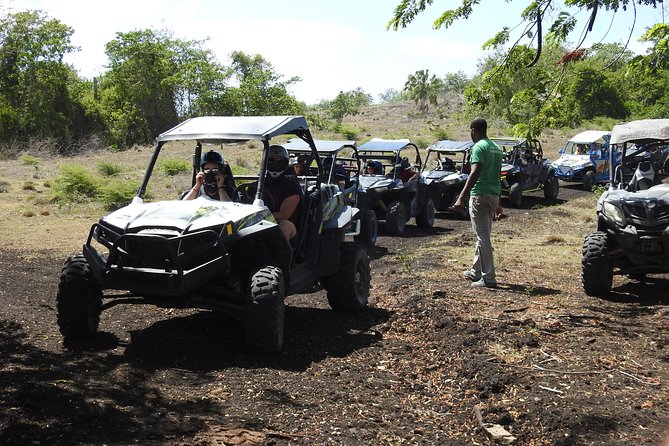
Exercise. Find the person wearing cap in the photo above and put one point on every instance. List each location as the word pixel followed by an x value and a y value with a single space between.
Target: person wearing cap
pixel 284 189
pixel 407 173
pixel 210 181
pixel 298 164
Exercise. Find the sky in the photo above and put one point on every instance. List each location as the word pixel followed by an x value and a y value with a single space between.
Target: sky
pixel 332 46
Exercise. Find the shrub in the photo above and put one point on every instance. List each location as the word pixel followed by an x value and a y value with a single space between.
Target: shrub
pixel 5 186
pixel 117 194
pixel 75 184
pixel 28 185
pixel 442 134
pixel 175 166
pixel 31 161
pixel 108 169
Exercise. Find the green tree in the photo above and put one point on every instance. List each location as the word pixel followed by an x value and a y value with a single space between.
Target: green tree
pixel 261 90
pixel 455 82
pixel 348 103
pixel 423 89
pixel 34 95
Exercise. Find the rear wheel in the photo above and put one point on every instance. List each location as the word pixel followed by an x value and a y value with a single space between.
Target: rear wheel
pixel 369 229
pixel 264 321
pixel 79 300
pixel 589 180
pixel 515 195
pixel 551 187
pixel 348 288
pixel 425 218
pixel 597 271
pixel 396 218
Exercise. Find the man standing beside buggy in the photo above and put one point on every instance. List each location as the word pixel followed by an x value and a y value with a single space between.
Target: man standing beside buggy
pixel 483 187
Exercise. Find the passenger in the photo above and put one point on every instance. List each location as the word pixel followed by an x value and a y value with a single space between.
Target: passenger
pixel 284 189
pixel 407 173
pixel 581 149
pixel 211 180
pixel 369 168
pixel 299 165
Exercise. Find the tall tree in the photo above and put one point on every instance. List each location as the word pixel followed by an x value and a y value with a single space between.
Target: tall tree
pixel 261 90
pixel 34 98
pixel 153 82
pixel 423 89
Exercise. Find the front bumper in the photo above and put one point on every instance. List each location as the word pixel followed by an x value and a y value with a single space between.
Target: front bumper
pixel 154 264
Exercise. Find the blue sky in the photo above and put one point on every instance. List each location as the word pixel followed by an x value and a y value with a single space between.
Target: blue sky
pixel 332 46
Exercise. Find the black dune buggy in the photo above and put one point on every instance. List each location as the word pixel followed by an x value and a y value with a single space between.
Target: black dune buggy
pixel 227 256
pixel 384 191
pixel 447 178
pixel 525 170
pixel 632 235
pixel 342 167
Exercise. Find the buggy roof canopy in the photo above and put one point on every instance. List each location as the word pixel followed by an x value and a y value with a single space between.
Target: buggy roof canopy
pixel 508 142
pixel 447 145
pixel 642 131
pixel 589 136
pixel 235 128
pixel 296 145
pixel 384 145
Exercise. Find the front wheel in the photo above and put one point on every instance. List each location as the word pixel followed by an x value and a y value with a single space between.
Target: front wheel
pixel 425 218
pixel 551 188
pixel 348 288
pixel 369 229
pixel 596 268
pixel 589 180
pixel 79 300
pixel 396 218
pixel 265 316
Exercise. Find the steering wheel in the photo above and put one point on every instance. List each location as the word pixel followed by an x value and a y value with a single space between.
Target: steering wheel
pixel 246 193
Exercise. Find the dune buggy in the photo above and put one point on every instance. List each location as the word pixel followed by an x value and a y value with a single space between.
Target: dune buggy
pixel 447 178
pixel 384 191
pixel 585 159
pixel 525 170
pixel 342 167
pixel 227 256
pixel 632 235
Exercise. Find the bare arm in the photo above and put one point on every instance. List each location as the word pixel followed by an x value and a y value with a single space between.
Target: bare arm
pixel 287 208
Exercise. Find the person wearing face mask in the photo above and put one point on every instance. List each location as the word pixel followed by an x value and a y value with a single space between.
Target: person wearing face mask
pixel 284 189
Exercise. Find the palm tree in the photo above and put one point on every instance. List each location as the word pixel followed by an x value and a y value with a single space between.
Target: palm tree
pixel 423 89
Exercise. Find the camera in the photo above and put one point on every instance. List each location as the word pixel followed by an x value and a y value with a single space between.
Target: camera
pixel 210 186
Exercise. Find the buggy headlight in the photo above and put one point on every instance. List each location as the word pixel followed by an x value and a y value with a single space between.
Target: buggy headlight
pixel 380 189
pixel 448 181
pixel 614 213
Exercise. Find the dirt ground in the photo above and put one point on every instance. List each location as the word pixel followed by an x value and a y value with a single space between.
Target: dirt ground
pixel 536 359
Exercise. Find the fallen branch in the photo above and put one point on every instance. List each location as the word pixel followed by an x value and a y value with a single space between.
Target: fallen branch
pixel 550 389
pixel 650 383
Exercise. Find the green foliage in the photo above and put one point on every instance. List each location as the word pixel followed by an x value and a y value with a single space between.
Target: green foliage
pixel 423 89
pixel 75 184
pixel 117 193
pixel 441 134
pixel 30 160
pixel 173 166
pixel 455 82
pixel 392 95
pixel 350 133
pixel 261 90
pixel 348 104
pixel 34 98
pixel 108 169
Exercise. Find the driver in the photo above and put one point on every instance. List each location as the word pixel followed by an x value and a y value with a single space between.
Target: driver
pixel 284 189
pixel 210 181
